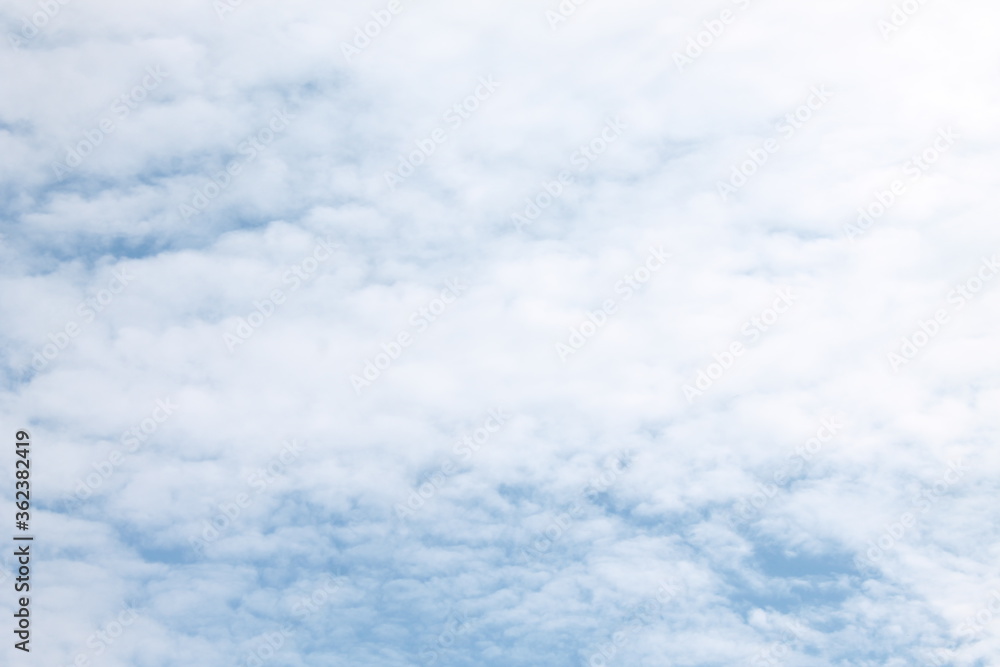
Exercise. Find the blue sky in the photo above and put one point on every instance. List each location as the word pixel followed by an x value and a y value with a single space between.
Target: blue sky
pixel 657 335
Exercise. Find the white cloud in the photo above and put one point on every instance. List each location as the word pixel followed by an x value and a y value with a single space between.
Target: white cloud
pixel 516 558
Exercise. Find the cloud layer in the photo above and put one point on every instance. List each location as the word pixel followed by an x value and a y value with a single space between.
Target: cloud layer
pixel 525 334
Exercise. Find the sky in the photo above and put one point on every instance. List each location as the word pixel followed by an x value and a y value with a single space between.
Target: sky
pixel 574 334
